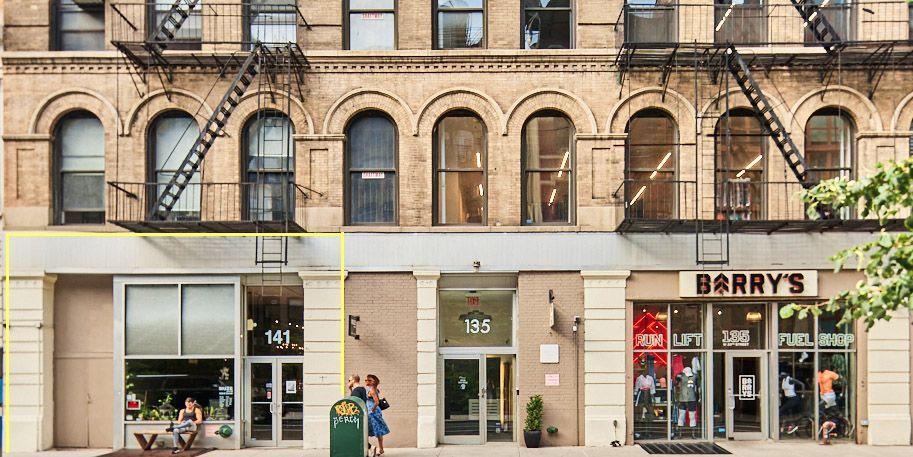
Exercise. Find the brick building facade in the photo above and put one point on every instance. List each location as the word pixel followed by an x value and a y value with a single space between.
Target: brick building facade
pixel 580 216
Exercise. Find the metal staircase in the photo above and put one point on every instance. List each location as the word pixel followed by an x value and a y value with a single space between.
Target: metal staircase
pixel 171 193
pixel 814 20
pixel 171 23
pixel 765 112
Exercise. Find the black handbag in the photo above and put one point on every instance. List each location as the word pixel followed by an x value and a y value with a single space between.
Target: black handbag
pixel 383 404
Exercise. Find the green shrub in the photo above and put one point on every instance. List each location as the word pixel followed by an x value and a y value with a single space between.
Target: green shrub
pixel 534 413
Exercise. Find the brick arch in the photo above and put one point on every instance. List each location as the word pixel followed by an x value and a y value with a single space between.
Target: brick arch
pixel 157 102
pixel 559 100
pixel 53 107
pixel 302 123
pixel 459 98
pixel 861 110
pixel 675 104
pixel 902 120
pixel 357 101
pixel 737 100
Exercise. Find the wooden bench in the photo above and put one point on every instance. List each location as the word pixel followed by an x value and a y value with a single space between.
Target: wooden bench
pixel 147 443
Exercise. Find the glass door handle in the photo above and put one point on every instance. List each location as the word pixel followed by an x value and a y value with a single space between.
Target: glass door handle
pixel 272 408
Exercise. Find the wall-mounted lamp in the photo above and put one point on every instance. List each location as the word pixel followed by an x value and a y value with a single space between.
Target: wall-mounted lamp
pixel 476 265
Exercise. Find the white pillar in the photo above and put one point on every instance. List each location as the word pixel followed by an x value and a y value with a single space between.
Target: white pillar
pixel 426 391
pixel 889 381
pixel 323 356
pixel 604 346
pixel 31 370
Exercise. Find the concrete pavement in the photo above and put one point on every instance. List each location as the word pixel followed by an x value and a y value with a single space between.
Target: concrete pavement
pixel 747 449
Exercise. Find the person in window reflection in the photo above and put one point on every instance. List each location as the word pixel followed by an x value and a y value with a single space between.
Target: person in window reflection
pixel 376 425
pixel 189 418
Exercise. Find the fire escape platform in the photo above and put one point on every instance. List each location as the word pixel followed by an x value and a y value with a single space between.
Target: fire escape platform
pixel 689 226
pixel 210 226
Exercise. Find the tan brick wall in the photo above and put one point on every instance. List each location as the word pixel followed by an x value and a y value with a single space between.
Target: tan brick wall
pixel 386 304
pixel 563 403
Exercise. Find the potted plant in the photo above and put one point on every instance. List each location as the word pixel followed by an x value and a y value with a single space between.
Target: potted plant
pixel 532 429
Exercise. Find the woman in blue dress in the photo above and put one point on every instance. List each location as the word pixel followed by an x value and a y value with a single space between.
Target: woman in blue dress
pixel 376 424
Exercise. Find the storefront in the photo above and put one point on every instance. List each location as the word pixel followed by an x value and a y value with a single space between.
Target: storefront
pixel 477 349
pixel 720 363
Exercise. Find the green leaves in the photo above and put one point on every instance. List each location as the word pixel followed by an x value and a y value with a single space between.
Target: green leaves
pixel 886 261
pixel 533 413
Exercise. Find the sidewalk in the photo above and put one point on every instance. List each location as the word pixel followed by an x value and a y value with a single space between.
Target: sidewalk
pixel 749 449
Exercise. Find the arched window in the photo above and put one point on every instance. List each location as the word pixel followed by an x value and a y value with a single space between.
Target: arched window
pixel 829 140
pixel 651 164
pixel 460 163
pixel 741 164
pixel 171 137
pixel 371 181
pixel 79 149
pixel 548 163
pixel 269 165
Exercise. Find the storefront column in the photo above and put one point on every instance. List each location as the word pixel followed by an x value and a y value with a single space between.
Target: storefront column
pixel 31 356
pixel 323 376
pixel 604 346
pixel 426 285
pixel 889 381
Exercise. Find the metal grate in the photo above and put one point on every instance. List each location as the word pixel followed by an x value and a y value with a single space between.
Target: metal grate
pixel 683 448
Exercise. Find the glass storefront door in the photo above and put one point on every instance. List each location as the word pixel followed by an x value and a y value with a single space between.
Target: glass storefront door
pixel 746 399
pixel 478 399
pixel 275 406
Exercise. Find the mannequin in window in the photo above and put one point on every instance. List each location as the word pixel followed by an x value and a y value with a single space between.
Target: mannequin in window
pixel 686 394
pixel 644 389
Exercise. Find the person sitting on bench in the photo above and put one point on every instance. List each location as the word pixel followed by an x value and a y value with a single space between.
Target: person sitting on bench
pixel 189 418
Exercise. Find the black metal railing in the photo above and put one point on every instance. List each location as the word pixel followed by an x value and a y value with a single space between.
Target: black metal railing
pixel 758 23
pixel 210 26
pixel 658 199
pixel 207 202
pixel 735 200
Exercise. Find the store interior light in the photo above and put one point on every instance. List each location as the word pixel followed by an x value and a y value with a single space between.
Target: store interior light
pixel 478 160
pixel 481 191
pixel 753 163
pixel 551 199
pixel 639 193
pixel 662 316
pixel 754 316
pixel 563 162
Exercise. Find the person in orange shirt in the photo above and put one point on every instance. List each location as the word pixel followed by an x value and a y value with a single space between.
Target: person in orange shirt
pixel 826 379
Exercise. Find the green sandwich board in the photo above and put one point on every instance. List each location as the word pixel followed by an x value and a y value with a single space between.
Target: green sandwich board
pixel 348 428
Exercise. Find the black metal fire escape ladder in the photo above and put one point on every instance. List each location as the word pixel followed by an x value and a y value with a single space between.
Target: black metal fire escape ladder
pixel 171 193
pixel 171 23
pixel 814 20
pixel 765 112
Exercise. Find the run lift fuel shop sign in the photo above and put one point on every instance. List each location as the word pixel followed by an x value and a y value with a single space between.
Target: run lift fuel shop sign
pixel 748 284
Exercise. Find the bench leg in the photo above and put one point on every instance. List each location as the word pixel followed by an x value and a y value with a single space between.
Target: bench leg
pixel 186 446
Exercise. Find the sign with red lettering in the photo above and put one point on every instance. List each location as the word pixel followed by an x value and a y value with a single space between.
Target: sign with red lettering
pixel 748 284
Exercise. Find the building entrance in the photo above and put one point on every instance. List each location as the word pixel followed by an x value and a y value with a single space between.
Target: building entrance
pixel 478 400
pixel 274 402
pixel 747 401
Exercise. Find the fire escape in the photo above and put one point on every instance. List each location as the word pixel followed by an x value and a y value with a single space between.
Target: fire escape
pixel 253 46
pixel 714 49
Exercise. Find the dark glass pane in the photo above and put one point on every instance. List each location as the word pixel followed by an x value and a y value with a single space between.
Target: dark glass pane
pixel 461 197
pixel 372 143
pixel 828 146
pixel 156 389
pixel 191 29
pixel 837 389
pixel 83 191
pixel 652 196
pixel 740 21
pixel 651 141
pixel 275 322
pixel 740 165
pixel 461 397
pixel 649 21
pixel 80 28
pixel 739 326
pixel 797 395
pixel 547 197
pixel 548 143
pixel 687 326
pixel 460 30
pixel 547 30
pixel 476 319
pixel 372 197
pixel 547 3
pixel 270 135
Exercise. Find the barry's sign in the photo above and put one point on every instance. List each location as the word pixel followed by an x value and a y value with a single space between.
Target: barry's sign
pixel 802 283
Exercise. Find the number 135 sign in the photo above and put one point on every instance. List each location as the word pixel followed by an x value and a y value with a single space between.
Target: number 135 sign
pixel 475 325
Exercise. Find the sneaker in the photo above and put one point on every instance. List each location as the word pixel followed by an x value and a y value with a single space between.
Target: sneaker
pixel 792 429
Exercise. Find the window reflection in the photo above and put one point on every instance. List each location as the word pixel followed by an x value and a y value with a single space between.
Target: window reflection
pixel 372 24
pixel 548 175
pixel 740 166
pixel 460 161
pixel 460 24
pixel 652 161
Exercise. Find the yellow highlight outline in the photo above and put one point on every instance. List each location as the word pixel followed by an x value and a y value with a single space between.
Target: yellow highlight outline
pixel 6 296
